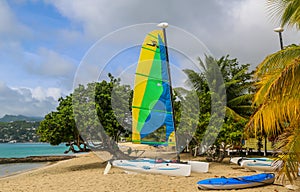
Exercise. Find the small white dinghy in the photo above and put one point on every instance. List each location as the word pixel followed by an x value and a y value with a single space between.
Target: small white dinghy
pixel 151 166
pixel 238 160
pixel 263 166
pixel 198 166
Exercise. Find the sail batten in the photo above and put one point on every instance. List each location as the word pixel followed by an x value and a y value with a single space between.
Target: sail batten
pixel 152 104
pixel 154 78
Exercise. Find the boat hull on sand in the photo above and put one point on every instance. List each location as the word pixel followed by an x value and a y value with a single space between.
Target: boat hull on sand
pixel 263 166
pixel 150 166
pixel 238 182
pixel 198 166
pixel 238 160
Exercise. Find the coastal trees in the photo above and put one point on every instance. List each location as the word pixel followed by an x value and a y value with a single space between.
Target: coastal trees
pixel 91 107
pixel 59 126
pixel 237 82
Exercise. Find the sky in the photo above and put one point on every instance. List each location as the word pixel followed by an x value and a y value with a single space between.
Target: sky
pixel 49 46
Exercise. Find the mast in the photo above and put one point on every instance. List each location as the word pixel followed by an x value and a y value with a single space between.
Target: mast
pixel 164 25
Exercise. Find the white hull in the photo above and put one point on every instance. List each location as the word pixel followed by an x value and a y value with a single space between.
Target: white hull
pixel 238 160
pixel 198 166
pixel 151 167
pixel 263 166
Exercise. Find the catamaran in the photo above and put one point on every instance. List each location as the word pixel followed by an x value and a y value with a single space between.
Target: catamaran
pixel 152 111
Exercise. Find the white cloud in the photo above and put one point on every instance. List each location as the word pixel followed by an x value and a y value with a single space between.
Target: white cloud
pixel 10 28
pixel 26 101
pixel 40 93
pixel 47 62
pixel 241 28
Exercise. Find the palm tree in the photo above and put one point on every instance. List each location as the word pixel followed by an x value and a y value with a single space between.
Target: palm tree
pixel 226 81
pixel 236 81
pixel 288 11
pixel 278 104
pixel 277 98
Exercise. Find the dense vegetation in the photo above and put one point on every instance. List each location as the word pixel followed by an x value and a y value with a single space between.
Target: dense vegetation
pixel 18 131
pixel 237 99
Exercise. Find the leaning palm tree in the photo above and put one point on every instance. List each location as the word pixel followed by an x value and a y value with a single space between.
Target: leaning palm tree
pixel 278 105
pixel 277 98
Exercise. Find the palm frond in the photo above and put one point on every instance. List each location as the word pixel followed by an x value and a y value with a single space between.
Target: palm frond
pixel 271 116
pixel 287 11
pixel 288 83
pixel 240 99
pixel 231 113
pixel 289 144
pixel 277 61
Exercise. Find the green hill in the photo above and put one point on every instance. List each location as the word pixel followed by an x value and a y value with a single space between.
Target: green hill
pixel 12 118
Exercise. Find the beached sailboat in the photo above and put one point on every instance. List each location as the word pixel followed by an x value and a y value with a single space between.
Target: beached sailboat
pixel 152 110
pixel 260 164
pixel 239 160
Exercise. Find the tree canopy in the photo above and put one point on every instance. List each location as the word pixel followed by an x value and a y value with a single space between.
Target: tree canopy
pixel 84 115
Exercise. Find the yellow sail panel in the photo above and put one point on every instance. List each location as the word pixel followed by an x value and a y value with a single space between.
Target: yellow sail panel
pixel 148 51
pixel 139 90
pixel 135 133
pixel 171 139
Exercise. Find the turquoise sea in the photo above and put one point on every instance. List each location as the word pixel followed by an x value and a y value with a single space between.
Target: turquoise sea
pixel 9 150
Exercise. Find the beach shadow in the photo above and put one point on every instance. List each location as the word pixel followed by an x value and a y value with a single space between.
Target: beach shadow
pixel 86 166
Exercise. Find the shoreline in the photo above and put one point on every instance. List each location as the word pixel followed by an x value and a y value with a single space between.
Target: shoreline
pixel 34 159
pixel 85 173
pixel 16 166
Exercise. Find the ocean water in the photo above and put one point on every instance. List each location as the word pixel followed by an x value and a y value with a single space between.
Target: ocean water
pixel 9 150
pixel 13 168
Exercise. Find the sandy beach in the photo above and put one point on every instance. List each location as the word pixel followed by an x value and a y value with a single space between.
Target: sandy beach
pixel 85 173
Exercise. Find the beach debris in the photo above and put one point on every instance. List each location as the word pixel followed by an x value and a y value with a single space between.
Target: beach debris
pixel 107 168
pixel 292 187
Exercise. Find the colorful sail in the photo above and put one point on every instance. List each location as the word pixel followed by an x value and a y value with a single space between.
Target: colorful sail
pixel 152 105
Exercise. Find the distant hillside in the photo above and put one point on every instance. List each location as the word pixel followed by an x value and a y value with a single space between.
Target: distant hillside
pixel 11 118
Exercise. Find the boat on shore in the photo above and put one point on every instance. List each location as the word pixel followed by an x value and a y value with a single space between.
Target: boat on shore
pixel 263 166
pixel 237 182
pixel 160 166
pixel 154 167
pixel 238 160
pixel 153 120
